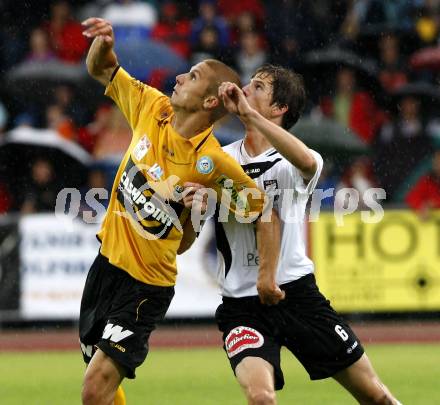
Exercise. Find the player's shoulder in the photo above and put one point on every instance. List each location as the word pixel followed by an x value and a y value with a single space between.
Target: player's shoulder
pixel 233 147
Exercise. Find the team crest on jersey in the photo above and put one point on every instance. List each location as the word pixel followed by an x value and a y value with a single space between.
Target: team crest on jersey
pixel 270 186
pixel 178 190
pixel 141 148
pixel 155 172
pixel 242 338
pixel 205 165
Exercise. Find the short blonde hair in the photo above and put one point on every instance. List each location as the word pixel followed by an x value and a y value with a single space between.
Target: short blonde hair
pixel 223 73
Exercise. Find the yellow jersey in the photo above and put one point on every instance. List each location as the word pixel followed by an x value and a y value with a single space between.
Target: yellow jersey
pixel 142 228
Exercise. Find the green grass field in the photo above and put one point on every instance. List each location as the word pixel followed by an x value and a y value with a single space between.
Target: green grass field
pixel 202 376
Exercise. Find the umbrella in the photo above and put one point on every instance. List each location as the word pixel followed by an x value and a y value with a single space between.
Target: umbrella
pixel 339 57
pixel 428 94
pixel 51 71
pixel 139 58
pixel 22 146
pixel 426 58
pixel 33 82
pixel 320 67
pixel 328 136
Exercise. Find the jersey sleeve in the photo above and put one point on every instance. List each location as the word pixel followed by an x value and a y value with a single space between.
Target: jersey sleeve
pixel 306 187
pixel 133 97
pixel 237 189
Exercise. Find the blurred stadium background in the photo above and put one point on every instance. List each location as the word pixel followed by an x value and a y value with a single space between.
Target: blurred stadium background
pixel 371 69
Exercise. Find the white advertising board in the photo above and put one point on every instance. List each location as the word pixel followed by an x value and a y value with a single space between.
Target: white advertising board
pixel 56 255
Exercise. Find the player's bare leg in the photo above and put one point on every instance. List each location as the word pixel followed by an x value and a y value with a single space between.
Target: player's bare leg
pixel 256 377
pixel 101 381
pixel 363 383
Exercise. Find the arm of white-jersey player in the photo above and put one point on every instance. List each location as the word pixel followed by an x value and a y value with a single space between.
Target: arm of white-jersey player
pixel 191 197
pixel 294 150
pixel 269 244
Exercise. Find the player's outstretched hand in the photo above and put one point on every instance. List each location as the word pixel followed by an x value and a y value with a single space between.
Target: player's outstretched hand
pixel 234 99
pixel 98 27
pixel 269 292
pixel 191 196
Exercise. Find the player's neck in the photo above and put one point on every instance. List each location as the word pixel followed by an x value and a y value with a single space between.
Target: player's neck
pixel 190 124
pixel 255 143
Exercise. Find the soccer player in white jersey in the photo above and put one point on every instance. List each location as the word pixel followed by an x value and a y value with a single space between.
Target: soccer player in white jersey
pixel 301 318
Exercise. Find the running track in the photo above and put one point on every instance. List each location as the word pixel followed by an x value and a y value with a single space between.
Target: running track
pixel 206 336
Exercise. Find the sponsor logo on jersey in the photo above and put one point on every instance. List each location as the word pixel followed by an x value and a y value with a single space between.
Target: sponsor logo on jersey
pixel 115 333
pixel 141 148
pixel 118 346
pixel 144 205
pixel 155 172
pixel 352 347
pixel 227 184
pixel 270 186
pixel 86 349
pixel 136 197
pixel 242 338
pixel 254 170
pixel 205 165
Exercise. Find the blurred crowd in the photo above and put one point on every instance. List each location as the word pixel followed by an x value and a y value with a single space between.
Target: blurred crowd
pixel 371 68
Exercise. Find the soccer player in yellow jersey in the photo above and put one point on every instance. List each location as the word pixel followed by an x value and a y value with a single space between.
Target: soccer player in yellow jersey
pixel 130 285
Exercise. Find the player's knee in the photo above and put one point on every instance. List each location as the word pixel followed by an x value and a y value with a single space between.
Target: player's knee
pixel 94 386
pixel 89 394
pixel 261 396
pixel 378 397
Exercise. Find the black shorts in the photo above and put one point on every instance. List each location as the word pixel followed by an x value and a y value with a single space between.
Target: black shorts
pixel 118 313
pixel 304 323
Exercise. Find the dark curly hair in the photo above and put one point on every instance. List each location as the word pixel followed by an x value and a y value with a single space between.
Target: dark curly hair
pixel 288 90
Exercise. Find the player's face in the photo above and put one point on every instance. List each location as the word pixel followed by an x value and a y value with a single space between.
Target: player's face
pixel 191 88
pixel 259 94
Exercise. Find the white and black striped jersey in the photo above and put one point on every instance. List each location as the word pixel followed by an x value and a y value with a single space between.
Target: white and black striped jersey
pixel 238 259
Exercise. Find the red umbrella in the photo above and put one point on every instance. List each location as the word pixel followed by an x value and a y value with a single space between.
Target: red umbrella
pixel 426 58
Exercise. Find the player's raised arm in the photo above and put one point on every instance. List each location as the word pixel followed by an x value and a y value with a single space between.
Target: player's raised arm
pixel 101 59
pixel 294 150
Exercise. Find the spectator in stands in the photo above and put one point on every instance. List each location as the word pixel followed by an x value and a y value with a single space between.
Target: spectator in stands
pixel 231 9
pixel 425 195
pixel 208 46
pixel 292 30
pixel 39 47
pixel 244 22
pixel 427 23
pixel 172 29
pixel 3 119
pixel 352 107
pixel 89 134
pixel 59 121
pixel 114 138
pixel 65 34
pixel 359 176
pixel 400 146
pixel 97 180
pixel 131 19
pixel 41 193
pixel 392 73
pixel 65 97
pixel 370 13
pixel 249 56
pixel 327 180
pixel 208 16
pixel 5 198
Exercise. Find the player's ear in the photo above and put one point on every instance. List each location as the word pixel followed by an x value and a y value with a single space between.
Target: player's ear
pixel 279 110
pixel 211 102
